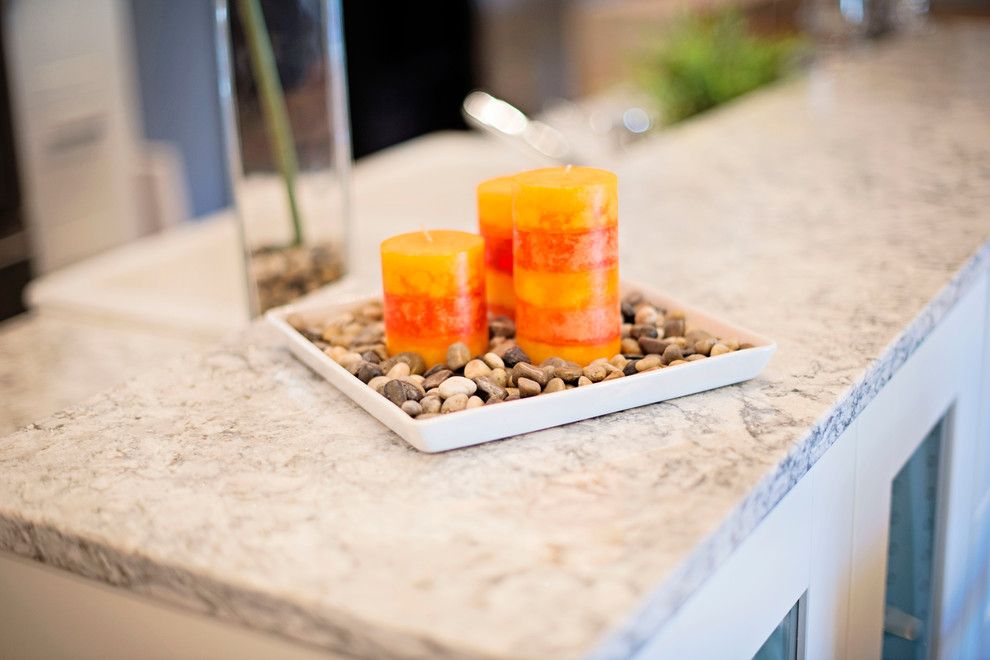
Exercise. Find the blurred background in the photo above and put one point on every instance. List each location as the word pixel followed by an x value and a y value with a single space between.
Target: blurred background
pixel 111 120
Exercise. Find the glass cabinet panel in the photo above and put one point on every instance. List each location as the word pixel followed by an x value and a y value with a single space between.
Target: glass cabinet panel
pixel 912 546
pixel 782 644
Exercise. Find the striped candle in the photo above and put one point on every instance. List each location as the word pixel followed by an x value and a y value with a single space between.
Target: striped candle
pixel 495 225
pixel 566 263
pixel 434 285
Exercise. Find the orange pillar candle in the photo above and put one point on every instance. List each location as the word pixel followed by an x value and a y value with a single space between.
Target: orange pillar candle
pixel 566 263
pixel 434 285
pixel 495 224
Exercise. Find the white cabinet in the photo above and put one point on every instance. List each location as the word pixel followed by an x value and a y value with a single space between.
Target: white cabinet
pixel 826 544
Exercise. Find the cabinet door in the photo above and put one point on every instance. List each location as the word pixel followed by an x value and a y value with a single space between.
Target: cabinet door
pixel 747 606
pixel 926 417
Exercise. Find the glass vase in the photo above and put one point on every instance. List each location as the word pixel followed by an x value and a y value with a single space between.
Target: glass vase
pixel 283 95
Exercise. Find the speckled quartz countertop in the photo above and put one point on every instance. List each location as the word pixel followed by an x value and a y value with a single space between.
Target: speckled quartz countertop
pixel 841 214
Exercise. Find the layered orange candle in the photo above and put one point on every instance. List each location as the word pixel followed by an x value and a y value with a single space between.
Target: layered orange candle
pixel 434 293
pixel 566 263
pixel 495 224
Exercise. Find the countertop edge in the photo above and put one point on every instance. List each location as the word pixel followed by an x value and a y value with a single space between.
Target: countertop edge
pixel 661 605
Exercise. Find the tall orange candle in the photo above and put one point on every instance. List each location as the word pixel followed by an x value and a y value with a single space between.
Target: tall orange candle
pixel 495 224
pixel 434 285
pixel 566 263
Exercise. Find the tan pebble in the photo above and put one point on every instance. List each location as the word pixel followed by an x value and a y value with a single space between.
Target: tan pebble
pixel 744 345
pixel 528 387
pixel 378 382
pixel 511 393
pixel 352 362
pixel 619 361
pixel 454 403
pixel 720 349
pixel 704 346
pixel 493 361
pixel 677 362
pixel 568 374
pixel 677 314
pixel 457 385
pixel 584 380
pixel 398 370
pixel 600 360
pixel 526 370
pixel 412 408
pixel 336 353
pixel 651 361
pixel 646 314
pixel 694 335
pixel 499 376
pixel 595 372
pixel 615 374
pixel 694 357
pixel 492 401
pixel 553 361
pixel 610 368
pixel 625 330
pixel 475 402
pixel 630 346
pixel 372 311
pixel 671 353
pixel 427 415
pixel 476 369
pixel 417 379
pixel 569 386
pixel 430 404
pixel 433 391
pixel 731 344
pixel 458 355
pixel 554 385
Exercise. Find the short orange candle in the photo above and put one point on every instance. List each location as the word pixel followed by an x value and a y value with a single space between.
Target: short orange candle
pixel 434 284
pixel 566 263
pixel 495 224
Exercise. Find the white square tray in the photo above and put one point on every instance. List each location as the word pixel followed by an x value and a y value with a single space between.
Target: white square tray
pixel 477 425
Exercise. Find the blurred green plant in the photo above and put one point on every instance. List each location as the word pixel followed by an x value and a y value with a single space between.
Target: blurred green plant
pixel 704 61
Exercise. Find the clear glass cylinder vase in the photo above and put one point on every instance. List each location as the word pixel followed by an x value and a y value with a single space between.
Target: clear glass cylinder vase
pixel 283 95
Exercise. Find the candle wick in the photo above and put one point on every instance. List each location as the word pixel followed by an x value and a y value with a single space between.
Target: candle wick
pixel 426 233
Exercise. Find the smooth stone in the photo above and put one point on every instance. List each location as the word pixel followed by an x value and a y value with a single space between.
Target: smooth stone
pixel 412 408
pixel 493 361
pixel 554 385
pixel 475 402
pixel 395 391
pixel 434 369
pixel 554 361
pixel 584 380
pixel 454 403
pixel 437 377
pixel 677 362
pixel 512 393
pixel 629 345
pixel 638 331
pixel 646 315
pixel 367 371
pixel 671 353
pixel 528 387
pixel 430 404
pixel 649 362
pixel 630 367
pixel 526 370
pixel 490 389
pixel 720 349
pixel 398 370
pixel 499 376
pixel 371 356
pixel 615 374
pixel 476 369
pixel 514 356
pixel 673 327
pixel 457 385
pixel 568 374
pixel 595 372
pixel 651 345
pixel 378 383
pixel 408 380
pixel 695 357
pixel 458 355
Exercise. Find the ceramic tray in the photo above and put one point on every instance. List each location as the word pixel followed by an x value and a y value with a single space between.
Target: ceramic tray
pixel 477 425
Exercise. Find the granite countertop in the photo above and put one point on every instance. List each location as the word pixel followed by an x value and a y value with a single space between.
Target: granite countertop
pixel 841 214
